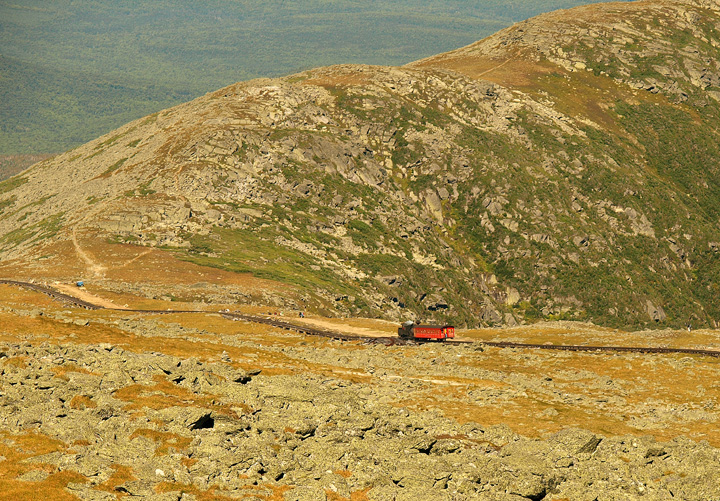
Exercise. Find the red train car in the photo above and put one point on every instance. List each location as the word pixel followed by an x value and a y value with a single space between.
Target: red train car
pixel 416 331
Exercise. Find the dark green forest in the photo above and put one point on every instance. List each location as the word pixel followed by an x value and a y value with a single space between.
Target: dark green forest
pixel 71 70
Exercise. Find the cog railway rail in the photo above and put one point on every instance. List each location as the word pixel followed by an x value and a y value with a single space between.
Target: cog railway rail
pixel 386 340
pixel 65 298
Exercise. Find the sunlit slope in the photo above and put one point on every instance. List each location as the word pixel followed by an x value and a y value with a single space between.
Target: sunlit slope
pixel 563 168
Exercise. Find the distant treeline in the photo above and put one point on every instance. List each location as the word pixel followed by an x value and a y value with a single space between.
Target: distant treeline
pixel 71 71
pixel 12 164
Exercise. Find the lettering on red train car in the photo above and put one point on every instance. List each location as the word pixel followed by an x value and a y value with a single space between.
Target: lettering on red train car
pixel 413 330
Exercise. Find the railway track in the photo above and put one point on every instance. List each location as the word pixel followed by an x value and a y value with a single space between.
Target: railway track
pixel 617 349
pixel 312 331
pixel 65 298
pixel 386 340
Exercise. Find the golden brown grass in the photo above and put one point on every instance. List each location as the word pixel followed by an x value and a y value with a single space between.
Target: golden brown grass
pixel 575 333
pixel 648 394
pixel 339 79
pixel 512 71
pixel 129 264
pixel 360 495
pixel 81 402
pixel 61 371
pixel 16 449
pixel 167 442
pixel 121 475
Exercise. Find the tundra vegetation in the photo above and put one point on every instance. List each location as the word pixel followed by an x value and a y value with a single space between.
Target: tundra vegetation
pixel 553 183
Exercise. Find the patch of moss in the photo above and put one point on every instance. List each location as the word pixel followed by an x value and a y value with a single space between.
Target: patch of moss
pixel 244 251
pixel 4 204
pixel 114 167
pixel 12 183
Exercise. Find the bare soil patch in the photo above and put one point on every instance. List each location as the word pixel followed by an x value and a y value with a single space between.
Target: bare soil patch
pixel 85 295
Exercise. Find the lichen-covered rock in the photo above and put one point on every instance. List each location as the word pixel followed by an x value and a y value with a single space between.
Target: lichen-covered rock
pixel 306 436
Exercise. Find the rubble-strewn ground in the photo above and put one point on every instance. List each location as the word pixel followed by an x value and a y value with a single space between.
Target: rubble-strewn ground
pixel 106 404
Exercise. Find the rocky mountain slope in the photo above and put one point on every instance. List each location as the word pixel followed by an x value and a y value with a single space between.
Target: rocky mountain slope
pixel 335 446
pixel 100 404
pixel 566 167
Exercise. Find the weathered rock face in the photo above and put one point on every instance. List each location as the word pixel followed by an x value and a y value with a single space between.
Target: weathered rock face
pixel 571 159
pixel 153 424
